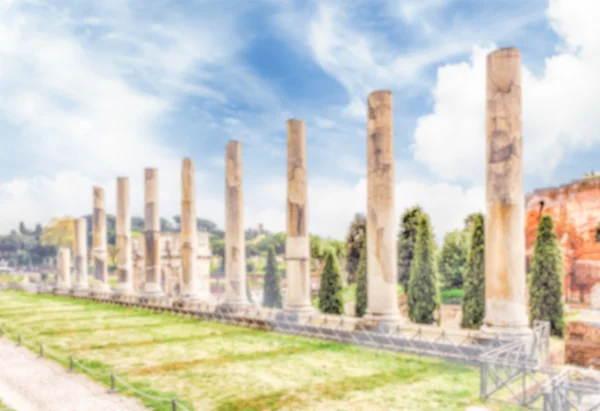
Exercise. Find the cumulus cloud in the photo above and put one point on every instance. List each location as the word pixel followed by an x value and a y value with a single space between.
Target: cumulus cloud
pixel 558 105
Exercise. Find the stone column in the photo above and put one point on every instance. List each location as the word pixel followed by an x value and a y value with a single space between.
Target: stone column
pixel 505 304
pixel 204 255
pixel 235 251
pixel 189 274
pixel 152 284
pixel 297 246
pixel 81 286
pixel 381 214
pixel 63 283
pixel 100 251
pixel 123 232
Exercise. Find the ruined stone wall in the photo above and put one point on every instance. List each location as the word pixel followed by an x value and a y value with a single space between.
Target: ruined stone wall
pixel 170 260
pixel 575 209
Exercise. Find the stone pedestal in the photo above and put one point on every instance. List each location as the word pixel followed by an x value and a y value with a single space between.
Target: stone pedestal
pixel 235 250
pixel 63 281
pixel 152 288
pixel 99 250
pixel 123 233
pixel 506 307
pixel 382 298
pixel 81 286
pixel 297 246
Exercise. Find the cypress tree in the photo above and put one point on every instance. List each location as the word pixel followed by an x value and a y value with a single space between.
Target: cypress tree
pixel 354 243
pixel 423 292
pixel 453 259
pixel 361 283
pixel 545 285
pixel 473 304
pixel 330 292
pixel 406 244
pixel 272 289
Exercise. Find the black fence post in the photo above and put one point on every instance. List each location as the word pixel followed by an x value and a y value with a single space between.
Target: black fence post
pixel 71 363
pixel 112 383
pixel 19 339
pixel 41 350
pixel 174 404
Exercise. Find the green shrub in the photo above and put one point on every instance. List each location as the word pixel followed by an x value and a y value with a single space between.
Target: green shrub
pixel 453 296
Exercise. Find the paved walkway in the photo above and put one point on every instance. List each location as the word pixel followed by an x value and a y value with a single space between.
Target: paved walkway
pixel 30 383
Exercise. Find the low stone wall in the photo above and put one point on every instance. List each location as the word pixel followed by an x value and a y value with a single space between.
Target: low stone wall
pixel 582 343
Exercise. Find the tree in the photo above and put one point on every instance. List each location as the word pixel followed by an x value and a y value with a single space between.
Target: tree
pixel 316 247
pixel 59 232
pixel 272 289
pixel 406 243
pixel 453 259
pixel 545 284
pixel 330 292
pixel 354 244
pixel 423 292
pixel 469 221
pixel 361 283
pixel 473 303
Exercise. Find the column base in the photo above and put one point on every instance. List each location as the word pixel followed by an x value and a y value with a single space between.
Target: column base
pixel 152 290
pixel 62 289
pixel 297 313
pixel 507 332
pixel 233 306
pixel 124 290
pixel 380 322
pixel 80 290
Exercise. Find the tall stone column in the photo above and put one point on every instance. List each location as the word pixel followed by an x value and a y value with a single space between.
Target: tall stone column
pixel 505 303
pixel 63 259
pixel 381 214
pixel 235 251
pixel 152 285
pixel 297 246
pixel 189 237
pixel 81 286
pixel 123 232
pixel 100 251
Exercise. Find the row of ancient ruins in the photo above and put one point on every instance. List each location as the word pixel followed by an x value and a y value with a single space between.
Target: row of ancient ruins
pixel 506 308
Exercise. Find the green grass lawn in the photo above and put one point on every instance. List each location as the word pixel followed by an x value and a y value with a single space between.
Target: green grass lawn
pixel 4 407
pixel 213 366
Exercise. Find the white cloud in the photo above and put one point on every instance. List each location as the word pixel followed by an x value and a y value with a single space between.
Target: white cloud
pixel 82 119
pixel 332 204
pixel 558 106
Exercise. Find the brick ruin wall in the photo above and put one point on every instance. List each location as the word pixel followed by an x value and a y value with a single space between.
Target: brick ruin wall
pixel 575 209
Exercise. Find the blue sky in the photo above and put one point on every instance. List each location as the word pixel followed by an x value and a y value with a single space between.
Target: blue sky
pixel 90 91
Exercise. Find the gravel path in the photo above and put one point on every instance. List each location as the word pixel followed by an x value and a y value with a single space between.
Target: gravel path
pixel 30 383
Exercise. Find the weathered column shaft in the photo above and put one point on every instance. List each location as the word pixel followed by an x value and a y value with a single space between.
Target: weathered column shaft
pixel 152 234
pixel 80 247
pixel 64 267
pixel 123 234
pixel 381 216
pixel 505 217
pixel 235 251
pixel 188 229
pixel 297 247
pixel 99 245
